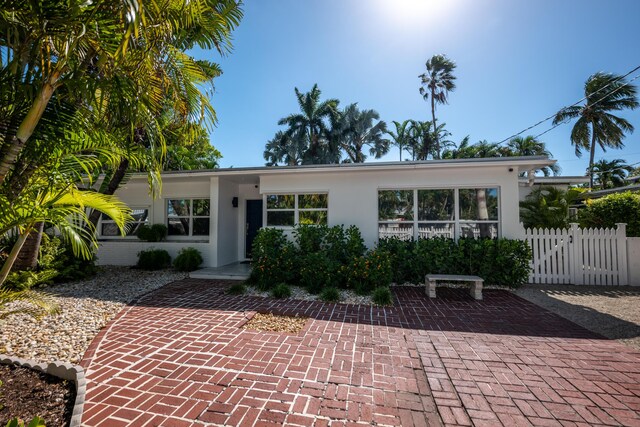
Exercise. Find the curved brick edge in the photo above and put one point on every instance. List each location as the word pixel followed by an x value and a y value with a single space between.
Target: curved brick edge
pixel 63 370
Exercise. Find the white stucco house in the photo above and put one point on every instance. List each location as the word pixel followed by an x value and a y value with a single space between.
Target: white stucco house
pixel 219 211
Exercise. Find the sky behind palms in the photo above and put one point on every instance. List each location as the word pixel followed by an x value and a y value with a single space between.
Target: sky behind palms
pixel 518 62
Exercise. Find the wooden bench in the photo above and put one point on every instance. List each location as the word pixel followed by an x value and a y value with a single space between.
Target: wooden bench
pixel 476 283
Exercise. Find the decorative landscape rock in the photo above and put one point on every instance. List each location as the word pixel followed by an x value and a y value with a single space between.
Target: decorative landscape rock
pixel 87 306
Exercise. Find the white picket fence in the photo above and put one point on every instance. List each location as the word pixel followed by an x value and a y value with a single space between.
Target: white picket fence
pixel 590 256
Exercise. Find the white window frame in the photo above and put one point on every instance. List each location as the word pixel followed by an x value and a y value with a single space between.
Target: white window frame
pixel 191 217
pixel 296 209
pixel 457 222
pixel 110 221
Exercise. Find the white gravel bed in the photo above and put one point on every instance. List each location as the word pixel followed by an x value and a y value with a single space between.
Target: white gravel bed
pixel 299 293
pixel 86 307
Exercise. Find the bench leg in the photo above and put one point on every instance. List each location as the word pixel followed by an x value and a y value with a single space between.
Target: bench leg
pixel 431 289
pixel 476 290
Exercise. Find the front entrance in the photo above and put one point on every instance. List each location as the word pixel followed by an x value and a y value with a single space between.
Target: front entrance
pixel 254 223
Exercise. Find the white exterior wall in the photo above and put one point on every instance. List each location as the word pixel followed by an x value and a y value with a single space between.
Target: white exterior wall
pixel 633 251
pixel 227 223
pixel 135 193
pixel 353 195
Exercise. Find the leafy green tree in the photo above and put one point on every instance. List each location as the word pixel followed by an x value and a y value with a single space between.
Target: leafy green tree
pixel 547 207
pixel 401 137
pixel 481 149
pixel 436 84
pixel 596 125
pixel 530 146
pixel 611 210
pixel 360 128
pixel 286 149
pixel 610 173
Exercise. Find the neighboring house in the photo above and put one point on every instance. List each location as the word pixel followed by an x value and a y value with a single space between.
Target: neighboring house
pixel 220 211
pixel 559 182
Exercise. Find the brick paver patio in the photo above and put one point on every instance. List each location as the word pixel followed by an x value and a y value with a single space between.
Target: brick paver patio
pixel 179 357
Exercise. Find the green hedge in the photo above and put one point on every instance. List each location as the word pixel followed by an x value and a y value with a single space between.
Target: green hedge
pixel 320 257
pixel 612 209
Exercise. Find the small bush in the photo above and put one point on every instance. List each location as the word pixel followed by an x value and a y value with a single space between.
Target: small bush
pixel 365 273
pixel 273 259
pixel 188 259
pixel 237 289
pixel 316 272
pixel 281 290
pixel 154 233
pixel 330 294
pixel 612 209
pixel 154 259
pixel 382 296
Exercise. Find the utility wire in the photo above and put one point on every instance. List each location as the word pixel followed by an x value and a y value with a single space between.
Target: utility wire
pixel 595 103
pixel 572 105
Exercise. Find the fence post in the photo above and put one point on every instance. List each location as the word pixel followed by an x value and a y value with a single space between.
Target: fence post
pixel 621 241
pixel 575 251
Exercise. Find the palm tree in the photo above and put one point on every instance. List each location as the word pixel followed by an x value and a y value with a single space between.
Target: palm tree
pixel 610 173
pixel 596 125
pixel 437 82
pixel 480 149
pixel 285 149
pixel 401 137
pixel 357 130
pixel 547 207
pixel 530 146
pixel 422 142
pixel 313 123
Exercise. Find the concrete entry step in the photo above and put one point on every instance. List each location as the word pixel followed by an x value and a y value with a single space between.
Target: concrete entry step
pixel 235 271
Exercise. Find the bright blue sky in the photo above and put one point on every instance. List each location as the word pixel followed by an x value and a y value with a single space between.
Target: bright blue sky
pixel 518 62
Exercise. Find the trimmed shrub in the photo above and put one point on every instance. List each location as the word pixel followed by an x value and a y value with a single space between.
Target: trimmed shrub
pixel 382 296
pixel 273 259
pixel 612 209
pixel 317 271
pixel 330 294
pixel 188 259
pixel 153 259
pixel 154 233
pixel 367 272
pixel 237 289
pixel 281 290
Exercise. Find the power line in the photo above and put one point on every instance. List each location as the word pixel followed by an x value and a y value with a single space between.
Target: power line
pixel 572 105
pixel 595 103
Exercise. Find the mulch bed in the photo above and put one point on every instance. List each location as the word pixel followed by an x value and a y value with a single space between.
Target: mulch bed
pixel 26 393
pixel 273 323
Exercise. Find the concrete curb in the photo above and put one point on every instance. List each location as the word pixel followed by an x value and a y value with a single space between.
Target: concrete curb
pixel 63 370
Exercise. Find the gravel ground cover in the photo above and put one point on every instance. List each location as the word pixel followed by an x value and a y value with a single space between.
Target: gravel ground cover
pixel 86 307
pixel 612 311
pixel 299 293
pixel 25 394
pixel 270 322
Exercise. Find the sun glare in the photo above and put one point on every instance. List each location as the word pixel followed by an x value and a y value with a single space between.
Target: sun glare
pixel 415 12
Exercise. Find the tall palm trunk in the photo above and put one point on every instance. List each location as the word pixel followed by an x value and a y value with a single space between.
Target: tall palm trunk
pixel 16 144
pixel 28 255
pixel 435 127
pixel 8 263
pixel 483 212
pixel 592 154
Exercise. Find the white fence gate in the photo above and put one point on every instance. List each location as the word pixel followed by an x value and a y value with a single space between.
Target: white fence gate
pixel 589 256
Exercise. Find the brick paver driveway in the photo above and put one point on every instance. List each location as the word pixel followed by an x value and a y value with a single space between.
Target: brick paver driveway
pixel 179 357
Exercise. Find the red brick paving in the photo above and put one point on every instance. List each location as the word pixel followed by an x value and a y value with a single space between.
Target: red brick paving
pixel 178 357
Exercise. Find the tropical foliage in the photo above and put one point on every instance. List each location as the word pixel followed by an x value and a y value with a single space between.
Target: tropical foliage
pixel 436 83
pixel 322 133
pixel 547 207
pixel 609 173
pixel 84 88
pixel 611 210
pixel 596 125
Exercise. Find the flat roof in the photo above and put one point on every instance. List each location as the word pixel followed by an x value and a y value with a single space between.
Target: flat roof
pixel 550 180
pixel 522 163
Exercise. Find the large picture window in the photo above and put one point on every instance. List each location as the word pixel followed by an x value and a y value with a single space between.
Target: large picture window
pixel 445 212
pixel 188 217
pixel 108 227
pixel 287 210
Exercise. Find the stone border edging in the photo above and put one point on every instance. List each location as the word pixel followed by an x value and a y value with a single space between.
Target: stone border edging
pixel 63 370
